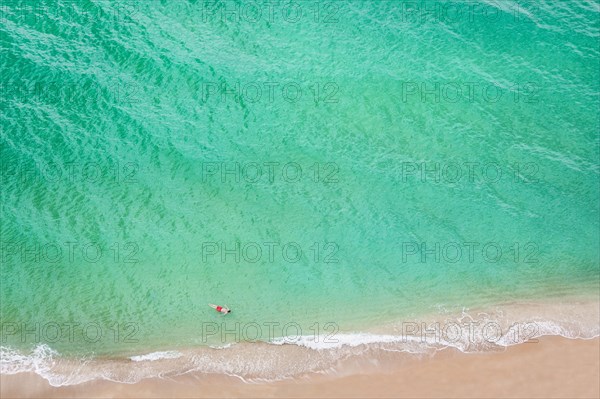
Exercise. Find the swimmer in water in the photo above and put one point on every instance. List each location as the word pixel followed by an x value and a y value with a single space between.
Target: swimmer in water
pixel 220 309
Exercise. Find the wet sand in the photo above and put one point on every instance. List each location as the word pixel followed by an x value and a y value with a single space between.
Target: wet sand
pixel 554 367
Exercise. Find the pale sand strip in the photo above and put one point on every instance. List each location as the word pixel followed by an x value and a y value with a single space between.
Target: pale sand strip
pixel 552 368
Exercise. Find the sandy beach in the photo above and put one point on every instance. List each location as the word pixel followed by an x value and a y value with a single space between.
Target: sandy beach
pixel 554 367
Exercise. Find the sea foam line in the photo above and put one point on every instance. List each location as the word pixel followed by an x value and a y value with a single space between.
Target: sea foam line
pixel 157 356
pixel 252 361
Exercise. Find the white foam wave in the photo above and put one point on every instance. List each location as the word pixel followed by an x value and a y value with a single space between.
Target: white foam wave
pixel 472 337
pixel 340 340
pixel 39 361
pixel 157 356
pixel 224 346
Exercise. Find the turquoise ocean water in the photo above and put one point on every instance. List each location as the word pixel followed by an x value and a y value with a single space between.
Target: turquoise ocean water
pixel 318 166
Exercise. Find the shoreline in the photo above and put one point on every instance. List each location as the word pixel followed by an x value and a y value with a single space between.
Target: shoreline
pixel 474 331
pixel 552 367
